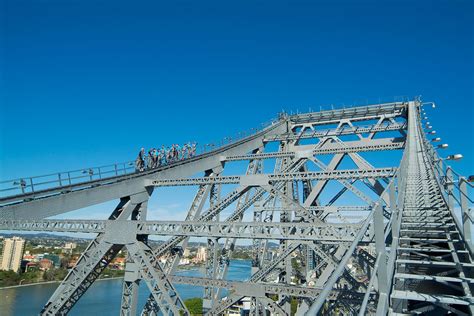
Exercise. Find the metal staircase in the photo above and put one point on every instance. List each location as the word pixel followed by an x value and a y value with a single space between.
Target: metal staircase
pixel 433 264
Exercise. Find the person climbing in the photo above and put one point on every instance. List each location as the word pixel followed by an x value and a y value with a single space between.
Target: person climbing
pixel 168 155
pixel 154 158
pixel 183 152
pixel 140 161
pixel 150 158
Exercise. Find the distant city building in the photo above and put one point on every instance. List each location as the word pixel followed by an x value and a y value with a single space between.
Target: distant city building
pixel 45 264
pixel 184 261
pixel 118 263
pixel 186 253
pixel 201 254
pixel 29 257
pixel 12 253
pixel 31 266
pixel 240 308
pixel 70 245
pixel 54 259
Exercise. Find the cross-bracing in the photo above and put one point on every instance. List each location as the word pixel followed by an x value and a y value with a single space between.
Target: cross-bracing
pixel 352 237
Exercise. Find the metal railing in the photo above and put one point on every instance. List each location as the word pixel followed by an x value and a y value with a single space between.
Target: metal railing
pixel 63 179
pixel 456 189
pixel 30 185
pixel 385 100
pixel 66 179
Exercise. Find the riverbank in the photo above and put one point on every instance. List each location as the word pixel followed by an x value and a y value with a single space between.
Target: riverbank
pixel 180 268
pixel 103 298
pixel 186 268
pixel 194 268
pixel 49 282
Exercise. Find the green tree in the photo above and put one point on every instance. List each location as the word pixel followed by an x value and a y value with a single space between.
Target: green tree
pixel 54 274
pixel 294 305
pixel 32 276
pixel 9 278
pixel 194 306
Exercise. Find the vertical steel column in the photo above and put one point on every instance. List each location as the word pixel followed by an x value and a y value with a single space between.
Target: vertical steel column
pixel 285 216
pixel 212 252
pixel 91 263
pixel 382 268
pixel 131 280
pixel 466 216
pixel 449 188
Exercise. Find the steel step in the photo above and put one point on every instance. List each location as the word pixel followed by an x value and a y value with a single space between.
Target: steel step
pixel 432 278
pixel 443 299
pixel 435 263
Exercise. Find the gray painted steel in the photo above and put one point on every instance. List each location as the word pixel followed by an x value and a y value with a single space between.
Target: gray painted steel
pixel 400 250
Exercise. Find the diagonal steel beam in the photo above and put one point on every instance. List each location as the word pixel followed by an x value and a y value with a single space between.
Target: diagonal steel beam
pixel 91 263
pixel 173 259
pixel 166 296
pixel 131 280
pixel 256 277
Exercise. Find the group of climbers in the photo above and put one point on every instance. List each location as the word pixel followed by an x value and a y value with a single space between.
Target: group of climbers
pixel 166 155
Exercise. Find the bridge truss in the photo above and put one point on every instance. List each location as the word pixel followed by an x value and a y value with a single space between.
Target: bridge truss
pixel 331 232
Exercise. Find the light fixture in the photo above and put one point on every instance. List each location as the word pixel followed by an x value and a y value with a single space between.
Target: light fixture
pixel 433 105
pixel 454 157
pixel 442 146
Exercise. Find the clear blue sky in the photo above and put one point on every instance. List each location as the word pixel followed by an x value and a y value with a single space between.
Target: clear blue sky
pixel 85 83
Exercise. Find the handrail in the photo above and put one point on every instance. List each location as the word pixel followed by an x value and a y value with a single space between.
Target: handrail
pixel 299 118
pixel 455 191
pixel 365 301
pixel 29 187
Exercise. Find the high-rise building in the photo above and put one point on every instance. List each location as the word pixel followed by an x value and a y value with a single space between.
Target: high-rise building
pixel 186 253
pixel 12 253
pixel 201 254
pixel 70 245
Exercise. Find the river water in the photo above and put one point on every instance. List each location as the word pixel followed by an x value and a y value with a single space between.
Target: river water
pixel 103 298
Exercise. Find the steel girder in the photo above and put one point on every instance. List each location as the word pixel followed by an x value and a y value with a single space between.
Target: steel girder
pixel 246 288
pixel 242 230
pixel 330 149
pixel 287 207
pixel 337 132
pixel 92 262
pixel 223 262
pixel 355 113
pixel 172 260
pixel 157 281
pixel 58 198
pixel 265 179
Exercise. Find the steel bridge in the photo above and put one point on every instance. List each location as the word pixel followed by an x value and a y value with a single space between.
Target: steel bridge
pixel 351 237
